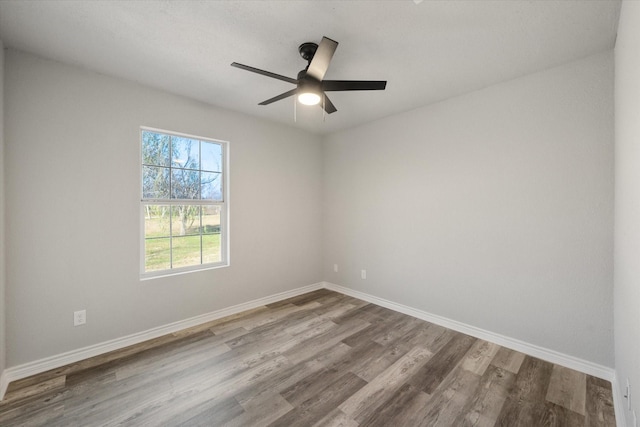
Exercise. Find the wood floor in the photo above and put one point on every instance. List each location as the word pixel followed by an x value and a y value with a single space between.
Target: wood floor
pixel 320 359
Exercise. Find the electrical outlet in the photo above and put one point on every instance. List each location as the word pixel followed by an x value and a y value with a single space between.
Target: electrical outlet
pixel 363 274
pixel 79 317
pixel 335 268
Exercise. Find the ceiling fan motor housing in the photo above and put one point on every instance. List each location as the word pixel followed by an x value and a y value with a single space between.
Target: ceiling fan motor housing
pixel 307 50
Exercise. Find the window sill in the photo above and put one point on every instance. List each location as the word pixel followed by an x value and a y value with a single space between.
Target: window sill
pixel 179 271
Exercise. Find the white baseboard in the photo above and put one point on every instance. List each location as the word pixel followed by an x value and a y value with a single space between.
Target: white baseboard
pixel 533 350
pixel 36 367
pixel 4 383
pixel 618 403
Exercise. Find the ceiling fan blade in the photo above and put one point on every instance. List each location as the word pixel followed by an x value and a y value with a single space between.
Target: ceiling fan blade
pixel 279 97
pixel 321 59
pixel 339 85
pixel 264 73
pixel 328 105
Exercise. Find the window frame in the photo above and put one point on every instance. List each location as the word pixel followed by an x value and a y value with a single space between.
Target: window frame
pixel 223 206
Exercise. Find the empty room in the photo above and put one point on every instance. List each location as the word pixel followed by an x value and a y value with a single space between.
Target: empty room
pixel 320 213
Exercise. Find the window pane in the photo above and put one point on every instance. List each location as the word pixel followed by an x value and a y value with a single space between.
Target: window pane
pixel 185 152
pixel 211 156
pixel 157 244
pixel 211 234
pixel 211 186
pixel 155 148
pixel 185 184
pixel 210 219
pixel 211 248
pixel 157 254
pixel 185 220
pixel 156 221
pixel 186 251
pixel 155 182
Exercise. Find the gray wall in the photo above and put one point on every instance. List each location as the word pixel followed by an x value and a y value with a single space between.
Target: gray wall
pixel 494 208
pixel 3 347
pixel 627 230
pixel 73 203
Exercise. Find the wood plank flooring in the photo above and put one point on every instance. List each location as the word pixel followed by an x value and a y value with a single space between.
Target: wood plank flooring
pixel 319 359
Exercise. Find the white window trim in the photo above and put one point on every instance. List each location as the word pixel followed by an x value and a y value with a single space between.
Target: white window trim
pixel 224 210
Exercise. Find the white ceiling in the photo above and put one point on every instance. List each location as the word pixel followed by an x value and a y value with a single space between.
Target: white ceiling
pixel 428 51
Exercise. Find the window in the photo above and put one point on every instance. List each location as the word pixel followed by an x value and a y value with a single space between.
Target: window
pixel 184 203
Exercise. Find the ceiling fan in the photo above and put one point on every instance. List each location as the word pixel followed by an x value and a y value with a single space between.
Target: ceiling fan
pixel 310 86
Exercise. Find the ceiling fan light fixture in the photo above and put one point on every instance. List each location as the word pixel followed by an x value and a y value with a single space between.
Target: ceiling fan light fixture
pixel 309 98
pixel 309 89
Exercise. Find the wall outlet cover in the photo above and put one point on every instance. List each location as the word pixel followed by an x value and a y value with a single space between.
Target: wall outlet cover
pixel 79 317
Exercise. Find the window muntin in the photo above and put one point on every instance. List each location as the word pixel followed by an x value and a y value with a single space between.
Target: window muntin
pixel 183 203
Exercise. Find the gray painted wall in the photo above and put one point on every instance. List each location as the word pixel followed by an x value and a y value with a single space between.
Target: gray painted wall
pixel 627 208
pixel 3 347
pixel 73 203
pixel 494 208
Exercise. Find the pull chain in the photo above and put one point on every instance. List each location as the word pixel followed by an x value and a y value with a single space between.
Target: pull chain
pixel 324 106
